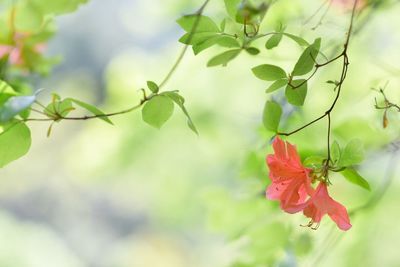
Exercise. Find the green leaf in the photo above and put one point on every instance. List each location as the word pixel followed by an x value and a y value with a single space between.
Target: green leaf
pixel 269 72
pixel 307 59
pixel 15 141
pixel 296 96
pixel 278 84
pixel 158 110
pixel 58 108
pixel 273 41
pixel 232 7
pixel 153 87
pixel 272 115
pixel 197 38
pixel 352 154
pixel 225 41
pixel 223 58
pixel 5 88
pixel 15 105
pixel 28 17
pixel 204 24
pixel 92 109
pixel 180 101
pixel 335 152
pixel 252 50
pixel 228 41
pixel 354 177
pixel 300 41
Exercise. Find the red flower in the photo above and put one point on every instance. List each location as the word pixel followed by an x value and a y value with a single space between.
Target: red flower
pixel 291 183
pixel 321 203
pixel 15 51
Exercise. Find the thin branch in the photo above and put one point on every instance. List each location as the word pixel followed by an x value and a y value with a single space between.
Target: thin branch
pixel 185 48
pixel 145 98
pixel 342 78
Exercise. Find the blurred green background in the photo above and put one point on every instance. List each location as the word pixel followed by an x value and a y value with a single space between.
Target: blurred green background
pixel 132 196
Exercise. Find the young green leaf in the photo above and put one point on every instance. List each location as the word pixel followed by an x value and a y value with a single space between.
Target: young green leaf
pixel 269 72
pixel 300 41
pixel 197 38
pixel 252 50
pixel 157 111
pixel 354 177
pixel 27 17
pixel 15 141
pixel 307 59
pixel 92 109
pixel 58 108
pixel 14 106
pixel 272 115
pixel 352 154
pixel 204 24
pixel 232 7
pixel 278 84
pixel 297 95
pixel 153 87
pixel 223 58
pixel 273 41
pixel 222 40
pixel 180 101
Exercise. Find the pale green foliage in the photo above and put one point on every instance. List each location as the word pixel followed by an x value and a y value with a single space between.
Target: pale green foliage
pixel 354 177
pixel 272 115
pixel 269 72
pixel 307 59
pixel 158 110
pixel 15 141
pixel 296 92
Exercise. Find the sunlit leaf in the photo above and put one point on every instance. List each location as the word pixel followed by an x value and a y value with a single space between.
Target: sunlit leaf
pixel 58 108
pixel 223 58
pixel 92 109
pixel 153 86
pixel 300 41
pixel 269 72
pixel 296 95
pixel 15 141
pixel 354 177
pixel 204 23
pixel 157 111
pixel 272 115
pixel 252 50
pixel 180 101
pixel 232 7
pixel 278 84
pixel 273 41
pixel 352 154
pixel 306 62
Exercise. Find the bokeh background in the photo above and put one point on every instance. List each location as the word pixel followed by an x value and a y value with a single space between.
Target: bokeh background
pixel 133 196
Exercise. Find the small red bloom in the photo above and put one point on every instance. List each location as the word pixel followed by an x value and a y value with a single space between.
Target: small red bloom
pixel 321 203
pixel 291 183
pixel 15 51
